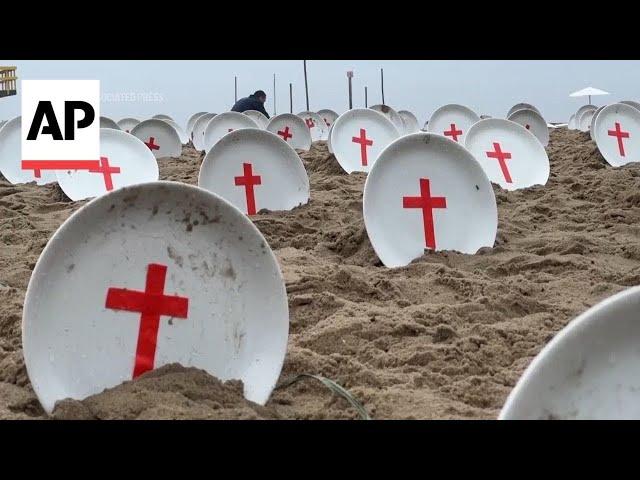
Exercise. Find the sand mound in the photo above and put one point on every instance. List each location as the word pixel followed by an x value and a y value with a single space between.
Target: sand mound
pixel 170 392
pixel 445 337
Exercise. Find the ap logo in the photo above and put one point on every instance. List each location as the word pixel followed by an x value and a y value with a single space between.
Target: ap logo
pixel 60 127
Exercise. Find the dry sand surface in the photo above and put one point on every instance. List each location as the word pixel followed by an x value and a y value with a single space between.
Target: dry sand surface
pixel 445 337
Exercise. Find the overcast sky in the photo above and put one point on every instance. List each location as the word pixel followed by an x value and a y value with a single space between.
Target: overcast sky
pixel 181 88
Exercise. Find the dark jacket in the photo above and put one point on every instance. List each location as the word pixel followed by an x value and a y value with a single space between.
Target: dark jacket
pixel 249 103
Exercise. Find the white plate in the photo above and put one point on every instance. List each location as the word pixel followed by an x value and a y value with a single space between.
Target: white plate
pixel 452 121
pixel 255 169
pixel 161 138
pixel 427 192
pixel 224 123
pixel 520 106
pixel 162 117
pixel 106 122
pixel 316 126
pixel 409 121
pixel 533 121
pixel 510 155
pixel 124 161
pixel 392 115
pixel 617 134
pixel 581 110
pixel 329 116
pixel 593 122
pixel 184 138
pixel 585 120
pixel 588 371
pixel 127 124
pixel 258 117
pixel 358 136
pixel 223 307
pixel 11 157
pixel 198 130
pixel 572 122
pixel 292 129
pixel 191 122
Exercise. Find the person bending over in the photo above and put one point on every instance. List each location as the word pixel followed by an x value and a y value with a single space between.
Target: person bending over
pixel 252 102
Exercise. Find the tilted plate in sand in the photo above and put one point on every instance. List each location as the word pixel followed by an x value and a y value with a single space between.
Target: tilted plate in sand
pixel 127 124
pixel 11 157
pixel 224 123
pixel 392 115
pixel 588 371
pixel 199 127
pixel 258 117
pixel 149 275
pixel 616 132
pixel 409 121
pixel 255 169
pixel 427 192
pixel 520 106
pixel 124 160
pixel 453 121
pixel 358 136
pixel 533 121
pixel 184 138
pixel 510 155
pixel 292 129
pixel 329 116
pixel 161 138
pixel 317 128
pixel 585 120
pixel 106 122
pixel 191 122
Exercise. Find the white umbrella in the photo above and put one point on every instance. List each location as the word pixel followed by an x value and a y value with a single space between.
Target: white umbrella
pixel 588 92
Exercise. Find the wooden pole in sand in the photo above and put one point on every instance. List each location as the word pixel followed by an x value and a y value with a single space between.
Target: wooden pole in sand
pixel 350 76
pixel 366 100
pixel 236 90
pixel 274 94
pixel 382 84
pixel 306 86
pixel 290 98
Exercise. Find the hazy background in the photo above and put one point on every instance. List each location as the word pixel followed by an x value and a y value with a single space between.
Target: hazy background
pixel 181 88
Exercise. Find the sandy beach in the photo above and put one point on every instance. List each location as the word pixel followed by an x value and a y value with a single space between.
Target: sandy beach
pixel 446 337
